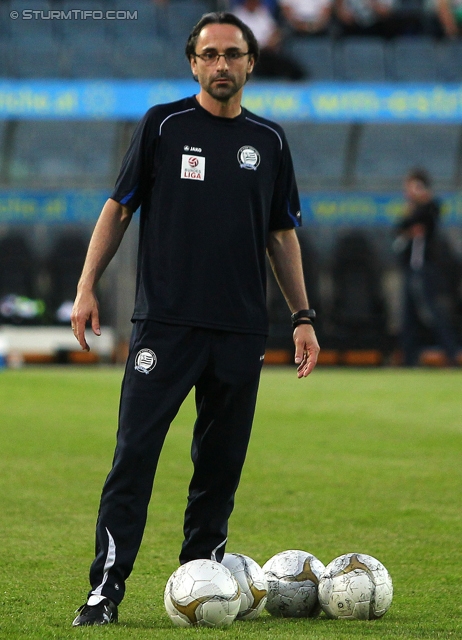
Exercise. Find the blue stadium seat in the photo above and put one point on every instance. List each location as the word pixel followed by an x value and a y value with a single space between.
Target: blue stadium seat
pixel 387 151
pixel 413 60
pixel 92 58
pixel 5 20
pixel 449 61
pixel 3 124
pixel 59 153
pixel 34 27
pixel 176 64
pixel 182 16
pixel 79 28
pixel 150 21
pixel 318 151
pixel 360 59
pixel 5 54
pixel 143 58
pixel 315 55
pixel 36 58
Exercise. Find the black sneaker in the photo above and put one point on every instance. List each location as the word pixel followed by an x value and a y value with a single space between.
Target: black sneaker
pixel 104 612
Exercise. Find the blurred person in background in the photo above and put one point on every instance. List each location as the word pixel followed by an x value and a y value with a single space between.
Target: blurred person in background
pixel 308 17
pixel 416 245
pixel 367 18
pixel 449 15
pixel 273 61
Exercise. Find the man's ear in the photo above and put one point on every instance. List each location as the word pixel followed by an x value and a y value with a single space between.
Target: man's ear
pixel 192 62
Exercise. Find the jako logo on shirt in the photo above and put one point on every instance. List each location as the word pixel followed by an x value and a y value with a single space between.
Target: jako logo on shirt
pixel 145 361
pixel 248 158
pixel 192 167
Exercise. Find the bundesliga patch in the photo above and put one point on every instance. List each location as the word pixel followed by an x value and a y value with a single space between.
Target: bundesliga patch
pixel 145 361
pixel 248 158
pixel 192 167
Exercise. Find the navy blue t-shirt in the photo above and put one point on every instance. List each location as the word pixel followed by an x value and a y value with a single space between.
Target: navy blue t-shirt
pixel 210 191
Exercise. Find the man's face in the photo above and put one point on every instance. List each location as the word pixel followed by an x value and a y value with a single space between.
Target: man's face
pixel 222 78
pixel 415 191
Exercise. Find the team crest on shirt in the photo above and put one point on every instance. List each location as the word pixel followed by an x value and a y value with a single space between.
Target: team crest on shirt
pixel 248 157
pixel 145 361
pixel 192 167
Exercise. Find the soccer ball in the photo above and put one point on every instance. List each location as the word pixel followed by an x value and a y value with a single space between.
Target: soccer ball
pixel 293 578
pixel 252 582
pixel 202 593
pixel 357 586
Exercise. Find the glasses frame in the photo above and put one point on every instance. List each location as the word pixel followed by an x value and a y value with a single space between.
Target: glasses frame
pixel 214 61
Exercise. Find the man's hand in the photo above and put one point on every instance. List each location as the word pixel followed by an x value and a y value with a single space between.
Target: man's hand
pixel 306 349
pixel 85 308
pixel 107 235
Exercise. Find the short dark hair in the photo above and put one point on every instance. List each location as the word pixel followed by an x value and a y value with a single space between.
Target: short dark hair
pixel 421 175
pixel 222 17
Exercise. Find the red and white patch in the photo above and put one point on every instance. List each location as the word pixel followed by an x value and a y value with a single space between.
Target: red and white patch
pixel 192 167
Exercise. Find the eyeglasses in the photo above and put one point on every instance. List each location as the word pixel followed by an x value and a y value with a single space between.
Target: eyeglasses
pixel 211 57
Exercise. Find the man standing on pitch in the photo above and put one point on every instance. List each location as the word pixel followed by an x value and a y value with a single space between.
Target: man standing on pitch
pixel 217 190
pixel 417 246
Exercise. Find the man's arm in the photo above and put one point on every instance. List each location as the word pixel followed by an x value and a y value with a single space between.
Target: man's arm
pixel 107 236
pixel 286 261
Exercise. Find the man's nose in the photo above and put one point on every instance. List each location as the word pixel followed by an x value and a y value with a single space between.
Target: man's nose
pixel 222 63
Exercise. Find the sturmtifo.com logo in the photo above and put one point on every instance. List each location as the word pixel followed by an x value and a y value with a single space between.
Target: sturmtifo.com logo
pixel 248 158
pixel 145 361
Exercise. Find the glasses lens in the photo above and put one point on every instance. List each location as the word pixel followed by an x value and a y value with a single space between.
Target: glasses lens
pixel 212 57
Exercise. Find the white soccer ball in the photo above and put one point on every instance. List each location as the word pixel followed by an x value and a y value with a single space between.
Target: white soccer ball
pixel 202 593
pixel 293 578
pixel 252 582
pixel 355 586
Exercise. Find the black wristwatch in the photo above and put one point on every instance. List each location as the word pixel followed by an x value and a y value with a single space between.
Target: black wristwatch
pixel 304 316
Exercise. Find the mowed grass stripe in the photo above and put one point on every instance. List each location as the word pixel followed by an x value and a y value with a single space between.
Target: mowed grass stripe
pixel 348 460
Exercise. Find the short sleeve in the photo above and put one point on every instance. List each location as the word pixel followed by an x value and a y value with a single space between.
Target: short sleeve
pixel 137 170
pixel 285 206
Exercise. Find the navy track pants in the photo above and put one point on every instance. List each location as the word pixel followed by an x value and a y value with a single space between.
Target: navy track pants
pixel 165 362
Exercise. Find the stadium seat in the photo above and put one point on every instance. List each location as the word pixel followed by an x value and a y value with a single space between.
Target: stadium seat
pixel 3 124
pixel 5 53
pixel 5 20
pixel 150 21
pixel 64 266
pixel 59 153
pixel 77 27
pixel 92 58
pixel 31 28
pixel 387 151
pixel 318 151
pixel 360 59
pixel 315 55
pixel 176 65
pixel 34 58
pixel 143 58
pixel 358 318
pixel 17 266
pixel 182 16
pixel 412 60
pixel 449 61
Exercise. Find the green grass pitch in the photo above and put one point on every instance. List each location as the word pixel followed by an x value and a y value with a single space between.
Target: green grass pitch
pixel 347 460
